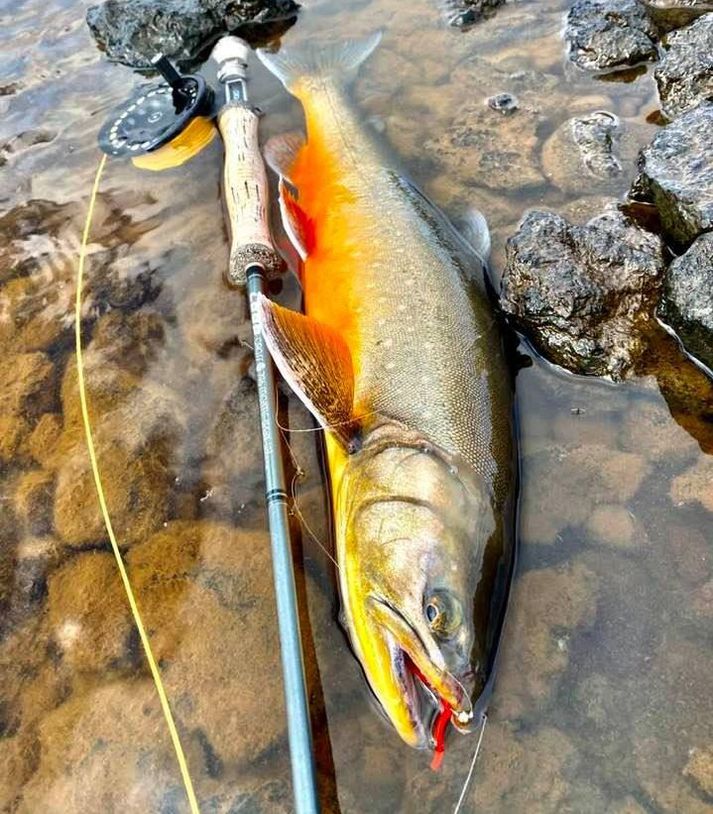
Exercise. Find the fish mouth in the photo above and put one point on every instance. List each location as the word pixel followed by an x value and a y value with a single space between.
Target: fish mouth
pixel 424 685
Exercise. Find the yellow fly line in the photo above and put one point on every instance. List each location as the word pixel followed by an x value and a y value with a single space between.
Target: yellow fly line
pixel 163 698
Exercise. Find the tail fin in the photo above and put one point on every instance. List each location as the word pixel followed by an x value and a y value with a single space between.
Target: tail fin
pixel 337 60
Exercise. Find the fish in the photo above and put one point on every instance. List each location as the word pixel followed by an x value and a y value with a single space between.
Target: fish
pixel 400 357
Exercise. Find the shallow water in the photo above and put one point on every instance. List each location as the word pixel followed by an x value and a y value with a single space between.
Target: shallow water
pixel 603 702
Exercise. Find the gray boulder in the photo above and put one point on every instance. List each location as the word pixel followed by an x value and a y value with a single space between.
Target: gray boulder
pixel 583 295
pixel 610 34
pixel 687 304
pixel 132 31
pixel 676 175
pixel 685 74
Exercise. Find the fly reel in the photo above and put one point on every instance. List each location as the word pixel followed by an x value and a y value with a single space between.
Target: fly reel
pixel 163 124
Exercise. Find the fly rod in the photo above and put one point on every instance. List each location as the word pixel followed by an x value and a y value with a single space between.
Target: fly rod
pixel 253 260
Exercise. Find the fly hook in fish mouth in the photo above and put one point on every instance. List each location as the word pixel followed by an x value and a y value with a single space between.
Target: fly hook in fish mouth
pixel 432 695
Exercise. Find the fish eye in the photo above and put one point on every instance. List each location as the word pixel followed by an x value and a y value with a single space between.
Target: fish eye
pixel 443 614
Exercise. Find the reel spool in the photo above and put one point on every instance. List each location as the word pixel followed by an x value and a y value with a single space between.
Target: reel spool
pixel 163 124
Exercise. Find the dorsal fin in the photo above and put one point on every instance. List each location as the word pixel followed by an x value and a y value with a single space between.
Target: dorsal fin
pixel 298 224
pixel 281 152
pixel 317 364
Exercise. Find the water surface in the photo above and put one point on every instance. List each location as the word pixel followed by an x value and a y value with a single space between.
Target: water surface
pixel 604 700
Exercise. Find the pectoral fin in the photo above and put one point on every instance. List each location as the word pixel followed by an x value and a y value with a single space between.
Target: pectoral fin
pixel 298 225
pixel 315 361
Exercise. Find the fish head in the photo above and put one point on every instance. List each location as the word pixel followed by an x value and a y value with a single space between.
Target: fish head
pixel 414 532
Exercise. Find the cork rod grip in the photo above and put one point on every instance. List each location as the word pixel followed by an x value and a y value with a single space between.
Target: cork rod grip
pixel 246 194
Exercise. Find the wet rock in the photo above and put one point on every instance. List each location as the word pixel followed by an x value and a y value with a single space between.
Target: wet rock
pixel 133 31
pixel 206 594
pixel 506 103
pixel 700 769
pixel 676 175
pixel 584 147
pixel 685 74
pixel 33 500
pixel 547 606
pixel 88 614
pixel 581 294
pixel 105 750
pixel 670 14
pixel 687 304
pixel 695 485
pixel 564 484
pixel 606 34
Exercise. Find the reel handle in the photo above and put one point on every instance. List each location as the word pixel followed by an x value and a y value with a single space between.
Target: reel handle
pixel 246 194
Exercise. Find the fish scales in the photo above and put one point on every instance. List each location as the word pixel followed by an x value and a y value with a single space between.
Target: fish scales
pixel 424 332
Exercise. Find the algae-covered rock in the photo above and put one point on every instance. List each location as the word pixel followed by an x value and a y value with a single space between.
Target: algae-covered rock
pixel 206 596
pixel 89 615
pixel 674 771
pixel 687 304
pixel 25 383
pixel 33 498
pixel 676 175
pixel 614 525
pixel 685 74
pixel 609 34
pixel 547 606
pixel 105 750
pixel 14 431
pixel 133 31
pixel 700 769
pixel 43 440
pixel 582 294
pixel 695 485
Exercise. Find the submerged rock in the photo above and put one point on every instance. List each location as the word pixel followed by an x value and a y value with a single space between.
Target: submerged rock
pixel 606 34
pixel 464 13
pixel 676 175
pixel 564 484
pixel 670 14
pixel 580 293
pixel 546 606
pixel 695 485
pixel 687 305
pixel 133 31
pixel 685 74
pixel 584 147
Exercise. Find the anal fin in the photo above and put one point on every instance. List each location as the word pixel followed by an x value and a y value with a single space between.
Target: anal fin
pixel 317 364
